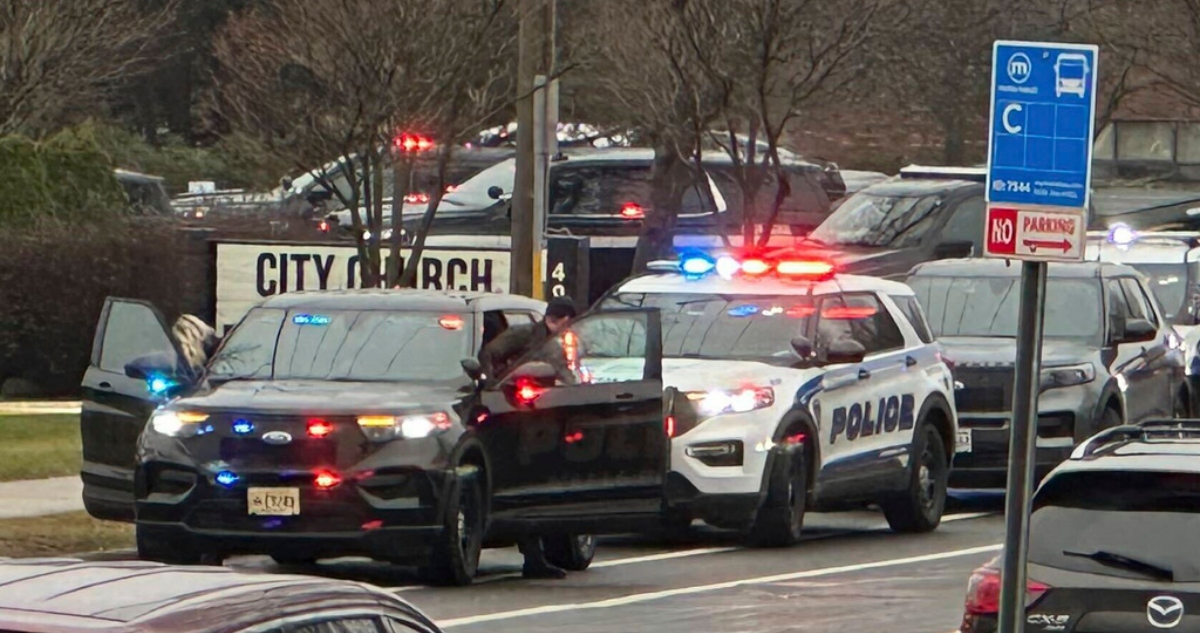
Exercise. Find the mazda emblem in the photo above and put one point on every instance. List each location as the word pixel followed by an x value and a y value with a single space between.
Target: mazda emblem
pixel 1164 612
pixel 277 437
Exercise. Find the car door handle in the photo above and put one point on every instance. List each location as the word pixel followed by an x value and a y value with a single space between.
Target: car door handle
pixel 909 361
pixel 863 374
pixel 624 396
pixel 105 385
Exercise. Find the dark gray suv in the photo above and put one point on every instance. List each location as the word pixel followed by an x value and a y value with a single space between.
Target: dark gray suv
pixel 1109 356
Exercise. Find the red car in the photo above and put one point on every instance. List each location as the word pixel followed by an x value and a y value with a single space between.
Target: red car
pixel 69 596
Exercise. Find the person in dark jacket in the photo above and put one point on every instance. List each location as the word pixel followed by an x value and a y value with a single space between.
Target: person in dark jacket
pixel 495 358
pixel 519 340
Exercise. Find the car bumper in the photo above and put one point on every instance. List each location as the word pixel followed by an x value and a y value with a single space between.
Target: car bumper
pixel 389 517
pixel 753 431
pixel 1063 415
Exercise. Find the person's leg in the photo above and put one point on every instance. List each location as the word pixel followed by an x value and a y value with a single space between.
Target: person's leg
pixel 536 565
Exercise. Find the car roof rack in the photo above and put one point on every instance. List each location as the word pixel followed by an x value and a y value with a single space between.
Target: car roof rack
pixel 1155 429
pixel 925 172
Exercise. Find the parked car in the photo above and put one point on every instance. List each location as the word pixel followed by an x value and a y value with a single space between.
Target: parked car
pixel 1109 356
pixel 72 596
pixel 1113 544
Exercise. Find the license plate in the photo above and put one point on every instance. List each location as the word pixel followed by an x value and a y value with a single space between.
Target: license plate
pixel 273 502
pixel 962 443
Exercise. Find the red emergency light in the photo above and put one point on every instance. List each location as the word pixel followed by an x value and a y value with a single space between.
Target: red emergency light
pixel 407 142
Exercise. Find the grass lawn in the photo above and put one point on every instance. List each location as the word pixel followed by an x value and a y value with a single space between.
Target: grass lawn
pixel 61 534
pixel 39 446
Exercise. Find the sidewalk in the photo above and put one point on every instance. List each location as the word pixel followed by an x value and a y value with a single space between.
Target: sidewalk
pixel 22 407
pixel 39 497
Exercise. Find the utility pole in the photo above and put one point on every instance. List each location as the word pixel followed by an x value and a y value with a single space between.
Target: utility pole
pixel 535 53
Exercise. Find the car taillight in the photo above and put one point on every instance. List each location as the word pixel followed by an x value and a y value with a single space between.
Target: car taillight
pixel 323 226
pixel 632 211
pixel 983 592
pixel 669 425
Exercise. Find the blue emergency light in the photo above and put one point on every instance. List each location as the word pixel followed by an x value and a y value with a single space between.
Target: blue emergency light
pixel 227 478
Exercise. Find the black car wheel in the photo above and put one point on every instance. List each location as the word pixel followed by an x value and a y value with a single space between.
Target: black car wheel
pixel 160 549
pixel 455 557
pixel 920 508
pixel 780 519
pixel 570 552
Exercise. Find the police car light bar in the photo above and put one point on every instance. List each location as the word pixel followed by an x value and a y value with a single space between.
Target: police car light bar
pixel 975 174
pixel 1121 235
pixel 695 265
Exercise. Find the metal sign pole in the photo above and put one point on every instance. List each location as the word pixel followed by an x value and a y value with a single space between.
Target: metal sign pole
pixel 1022 446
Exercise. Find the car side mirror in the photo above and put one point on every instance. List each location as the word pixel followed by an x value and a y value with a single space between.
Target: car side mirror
pixel 844 351
pixel 1138 331
pixel 472 368
pixel 286 183
pixel 495 192
pixel 954 249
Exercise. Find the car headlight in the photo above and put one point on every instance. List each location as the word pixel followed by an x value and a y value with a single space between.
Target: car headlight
pixel 721 401
pixel 381 428
pixel 1068 375
pixel 177 423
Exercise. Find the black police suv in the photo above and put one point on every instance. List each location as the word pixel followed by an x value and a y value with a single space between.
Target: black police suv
pixel 1113 544
pixel 358 423
pixel 1109 356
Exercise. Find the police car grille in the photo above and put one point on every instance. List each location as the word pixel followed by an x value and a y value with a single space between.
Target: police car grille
pixel 984 389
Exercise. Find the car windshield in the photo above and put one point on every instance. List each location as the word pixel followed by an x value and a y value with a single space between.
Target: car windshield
pixel 345 345
pixel 1078 515
pixel 753 327
pixel 1169 283
pixel 987 306
pixel 867 219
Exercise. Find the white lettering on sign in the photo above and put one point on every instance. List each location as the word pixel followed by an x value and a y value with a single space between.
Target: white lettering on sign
pixel 1034 234
pixel 249 273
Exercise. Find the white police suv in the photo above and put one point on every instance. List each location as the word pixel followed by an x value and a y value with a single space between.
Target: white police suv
pixel 790 387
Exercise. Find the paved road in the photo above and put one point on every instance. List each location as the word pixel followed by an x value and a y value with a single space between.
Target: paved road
pixel 850 573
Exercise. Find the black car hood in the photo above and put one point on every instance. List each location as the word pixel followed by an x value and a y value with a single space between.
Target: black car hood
pixel 320 397
pixel 968 351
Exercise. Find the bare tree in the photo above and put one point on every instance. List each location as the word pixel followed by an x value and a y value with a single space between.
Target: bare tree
pixel 324 79
pixel 772 58
pixel 59 55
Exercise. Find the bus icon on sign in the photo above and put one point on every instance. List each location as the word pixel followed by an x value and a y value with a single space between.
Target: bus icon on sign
pixel 1070 75
pixel 1019 68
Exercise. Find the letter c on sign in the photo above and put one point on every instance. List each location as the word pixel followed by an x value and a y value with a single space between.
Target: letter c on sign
pixel 1009 109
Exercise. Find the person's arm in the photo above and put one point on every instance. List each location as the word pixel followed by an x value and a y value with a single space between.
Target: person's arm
pixel 496 354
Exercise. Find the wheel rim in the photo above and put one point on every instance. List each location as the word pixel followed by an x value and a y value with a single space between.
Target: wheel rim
pixel 467 520
pixel 586 544
pixel 927 482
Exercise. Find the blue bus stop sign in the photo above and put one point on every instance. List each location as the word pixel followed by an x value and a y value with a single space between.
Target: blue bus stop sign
pixel 1043 120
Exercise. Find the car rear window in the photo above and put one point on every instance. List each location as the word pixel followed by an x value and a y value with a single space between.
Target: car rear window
pixel 1125 521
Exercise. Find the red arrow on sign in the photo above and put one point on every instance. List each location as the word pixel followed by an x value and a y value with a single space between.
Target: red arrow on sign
pixel 1062 245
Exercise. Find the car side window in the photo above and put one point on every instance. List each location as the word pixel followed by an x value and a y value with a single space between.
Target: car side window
pixel 861 318
pixel 598 349
pixel 1135 292
pixel 1138 306
pixel 1118 308
pixel 519 318
pixel 355 624
pixel 911 309
pixel 131 332
pixel 966 224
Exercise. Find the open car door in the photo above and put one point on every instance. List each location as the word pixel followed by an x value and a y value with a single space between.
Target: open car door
pixel 575 432
pixel 116 406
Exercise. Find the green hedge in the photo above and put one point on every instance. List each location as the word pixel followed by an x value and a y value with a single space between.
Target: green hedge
pixel 66 179
pixel 53 281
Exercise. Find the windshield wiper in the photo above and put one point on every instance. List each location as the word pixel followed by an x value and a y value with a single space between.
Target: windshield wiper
pixel 1113 559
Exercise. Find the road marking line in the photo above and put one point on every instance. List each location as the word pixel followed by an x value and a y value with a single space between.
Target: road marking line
pixel 683 591
pixel 650 558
